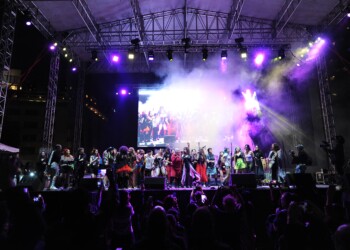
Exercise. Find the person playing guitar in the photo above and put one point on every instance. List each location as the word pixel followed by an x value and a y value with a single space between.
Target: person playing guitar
pixel 273 161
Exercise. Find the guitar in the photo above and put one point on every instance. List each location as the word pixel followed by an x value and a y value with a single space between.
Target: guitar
pixel 272 160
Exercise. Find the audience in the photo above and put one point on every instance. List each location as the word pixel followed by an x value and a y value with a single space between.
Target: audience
pixel 225 219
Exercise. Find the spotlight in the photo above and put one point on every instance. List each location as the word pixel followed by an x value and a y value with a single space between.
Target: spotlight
pixel 74 69
pixel 94 56
pixel 131 54
pixel 281 54
pixel 64 49
pixel 53 46
pixel 122 92
pixel 71 60
pixel 115 58
pixel 186 42
pixel 169 54
pixel 244 53
pixel 135 42
pixel 150 55
pixel 259 59
pixel 28 18
pixel 204 54
pixel 223 54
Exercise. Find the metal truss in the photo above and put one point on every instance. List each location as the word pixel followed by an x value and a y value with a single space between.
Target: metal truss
pixel 6 44
pixel 326 100
pixel 284 15
pixel 51 102
pixel 90 23
pixel 335 16
pixel 79 108
pixel 139 23
pixel 166 29
pixel 233 16
pixel 39 21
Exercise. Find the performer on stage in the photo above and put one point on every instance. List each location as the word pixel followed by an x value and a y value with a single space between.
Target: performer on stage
pixel 41 166
pixel 227 161
pixel 158 168
pixel 274 161
pixel 221 167
pixel 132 164
pixel 258 157
pixel 140 168
pixel 302 159
pixel 94 162
pixel 80 166
pixel 176 169
pixel 54 161
pixel 211 168
pixel 123 170
pixel 249 159
pixel 201 167
pixel 66 168
pixel 149 160
pixel 109 163
pixel 189 175
pixel 239 159
pixel 167 162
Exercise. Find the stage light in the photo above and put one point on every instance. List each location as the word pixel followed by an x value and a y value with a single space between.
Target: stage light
pixel 27 18
pixel 259 59
pixel 244 53
pixel 281 54
pixel 131 54
pixel 239 40
pixel 66 55
pixel 150 55
pixel 169 54
pixel 223 54
pixel 71 60
pixel 64 49
pixel 53 45
pixel 135 42
pixel 186 41
pixel 115 58
pixel 123 92
pixel 94 56
pixel 204 54
pixel 74 69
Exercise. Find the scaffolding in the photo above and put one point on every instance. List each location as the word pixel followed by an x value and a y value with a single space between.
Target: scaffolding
pixel 326 102
pixel 6 44
pixel 79 108
pixel 51 100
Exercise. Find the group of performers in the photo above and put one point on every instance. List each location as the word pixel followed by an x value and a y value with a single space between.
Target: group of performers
pixel 155 125
pixel 128 167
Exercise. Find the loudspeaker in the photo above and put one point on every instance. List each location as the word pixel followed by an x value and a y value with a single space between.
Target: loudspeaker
pixel 33 183
pixel 243 180
pixel 302 180
pixel 89 184
pixel 155 183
